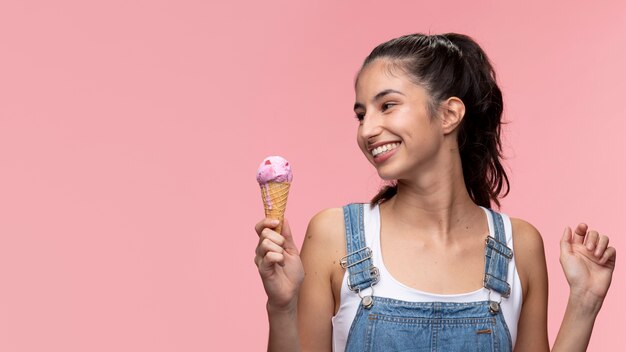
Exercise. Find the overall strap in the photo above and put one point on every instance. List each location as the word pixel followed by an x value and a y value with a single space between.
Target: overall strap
pixel 358 261
pixel 497 257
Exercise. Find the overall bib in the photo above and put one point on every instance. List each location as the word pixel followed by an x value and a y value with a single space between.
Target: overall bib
pixel 386 324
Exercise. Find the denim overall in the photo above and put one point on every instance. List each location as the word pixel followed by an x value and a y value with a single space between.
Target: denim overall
pixel 385 324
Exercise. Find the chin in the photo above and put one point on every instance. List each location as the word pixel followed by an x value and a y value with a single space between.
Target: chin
pixel 387 176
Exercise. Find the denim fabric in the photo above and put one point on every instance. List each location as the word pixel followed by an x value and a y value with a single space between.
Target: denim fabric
pixel 386 324
pixel 361 271
pixel 497 257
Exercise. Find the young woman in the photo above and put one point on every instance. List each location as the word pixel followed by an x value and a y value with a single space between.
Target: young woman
pixel 427 266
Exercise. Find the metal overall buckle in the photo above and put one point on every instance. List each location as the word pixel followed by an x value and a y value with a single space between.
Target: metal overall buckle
pixel 494 307
pixel 344 260
pixel 366 301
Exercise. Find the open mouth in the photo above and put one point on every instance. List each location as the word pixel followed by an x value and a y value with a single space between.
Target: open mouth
pixel 384 149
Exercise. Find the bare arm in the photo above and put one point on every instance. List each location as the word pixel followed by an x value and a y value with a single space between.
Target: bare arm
pixel 589 274
pixel 588 263
pixel 320 254
pixel 532 328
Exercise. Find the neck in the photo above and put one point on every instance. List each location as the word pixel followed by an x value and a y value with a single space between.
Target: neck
pixel 437 203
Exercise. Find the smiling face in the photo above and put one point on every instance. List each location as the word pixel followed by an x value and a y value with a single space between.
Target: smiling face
pixel 396 132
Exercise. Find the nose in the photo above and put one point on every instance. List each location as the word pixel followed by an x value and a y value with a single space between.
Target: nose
pixel 371 126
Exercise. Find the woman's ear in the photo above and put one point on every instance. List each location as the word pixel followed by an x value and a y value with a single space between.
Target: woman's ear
pixel 452 112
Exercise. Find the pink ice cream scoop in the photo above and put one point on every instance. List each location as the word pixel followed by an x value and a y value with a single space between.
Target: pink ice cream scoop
pixel 274 176
pixel 274 169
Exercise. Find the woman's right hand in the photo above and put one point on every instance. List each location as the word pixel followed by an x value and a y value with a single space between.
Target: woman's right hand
pixel 279 264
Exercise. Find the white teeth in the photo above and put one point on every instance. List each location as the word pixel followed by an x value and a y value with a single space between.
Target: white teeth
pixel 384 148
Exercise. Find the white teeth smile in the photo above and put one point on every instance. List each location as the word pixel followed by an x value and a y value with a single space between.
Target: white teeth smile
pixel 384 148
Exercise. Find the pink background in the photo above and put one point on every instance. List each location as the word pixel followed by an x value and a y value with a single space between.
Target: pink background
pixel 130 132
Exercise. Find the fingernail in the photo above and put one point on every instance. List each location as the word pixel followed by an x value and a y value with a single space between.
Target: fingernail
pixel 274 222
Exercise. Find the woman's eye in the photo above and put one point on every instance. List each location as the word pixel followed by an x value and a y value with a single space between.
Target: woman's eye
pixel 386 106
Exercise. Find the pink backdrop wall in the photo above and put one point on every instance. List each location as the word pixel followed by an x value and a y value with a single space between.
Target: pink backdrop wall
pixel 130 132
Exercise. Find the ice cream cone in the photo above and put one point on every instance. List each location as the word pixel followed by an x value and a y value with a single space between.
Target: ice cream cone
pixel 274 196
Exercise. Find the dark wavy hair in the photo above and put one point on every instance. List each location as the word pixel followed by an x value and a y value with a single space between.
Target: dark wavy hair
pixel 454 65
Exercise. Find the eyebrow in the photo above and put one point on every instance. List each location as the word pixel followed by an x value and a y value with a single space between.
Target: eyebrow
pixel 378 96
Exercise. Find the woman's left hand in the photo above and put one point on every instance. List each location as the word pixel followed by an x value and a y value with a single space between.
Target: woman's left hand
pixel 588 262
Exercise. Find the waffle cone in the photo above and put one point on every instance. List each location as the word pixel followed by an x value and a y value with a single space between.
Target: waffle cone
pixel 274 196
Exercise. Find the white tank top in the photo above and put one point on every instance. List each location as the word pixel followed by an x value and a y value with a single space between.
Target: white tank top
pixel 389 287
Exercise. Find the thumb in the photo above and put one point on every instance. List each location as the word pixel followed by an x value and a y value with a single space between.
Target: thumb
pixel 566 241
pixel 290 245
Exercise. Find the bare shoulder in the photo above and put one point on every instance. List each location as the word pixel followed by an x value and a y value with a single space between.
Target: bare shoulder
pixel 526 238
pixel 326 224
pixel 324 237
